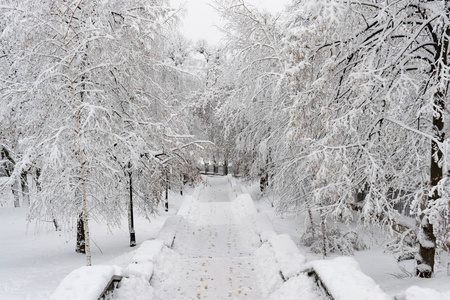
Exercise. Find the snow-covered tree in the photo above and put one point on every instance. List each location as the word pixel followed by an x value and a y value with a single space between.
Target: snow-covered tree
pixel 95 106
pixel 370 99
pixel 341 102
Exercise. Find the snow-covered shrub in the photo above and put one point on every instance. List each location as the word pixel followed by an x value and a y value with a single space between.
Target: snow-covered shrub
pixel 337 242
pixel 404 245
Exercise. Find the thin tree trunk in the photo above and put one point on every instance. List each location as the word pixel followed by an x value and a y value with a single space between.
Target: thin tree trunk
pixel 324 233
pixel 166 204
pixel 225 167
pixel 215 167
pixel 39 189
pixel 308 207
pixel 55 223
pixel 263 181
pixel 15 192
pixel 25 189
pixel 85 216
pixel 236 168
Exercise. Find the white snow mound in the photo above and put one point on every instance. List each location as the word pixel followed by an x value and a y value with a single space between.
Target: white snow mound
pixel 418 293
pixel 143 258
pixel 243 206
pixel 85 283
pixel 345 281
pixel 287 254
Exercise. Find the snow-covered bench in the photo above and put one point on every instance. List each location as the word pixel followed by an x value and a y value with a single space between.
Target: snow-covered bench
pixel 95 282
pixel 88 283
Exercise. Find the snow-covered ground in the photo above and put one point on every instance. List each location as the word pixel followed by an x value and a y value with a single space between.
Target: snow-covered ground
pixel 35 259
pixel 396 279
pixel 217 253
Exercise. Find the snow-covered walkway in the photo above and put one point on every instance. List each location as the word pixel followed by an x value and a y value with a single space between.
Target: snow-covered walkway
pixel 212 254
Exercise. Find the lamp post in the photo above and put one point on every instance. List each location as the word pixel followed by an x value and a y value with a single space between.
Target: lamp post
pixel 130 210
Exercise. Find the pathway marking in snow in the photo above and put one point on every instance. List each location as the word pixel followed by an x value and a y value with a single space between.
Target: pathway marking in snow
pixel 212 255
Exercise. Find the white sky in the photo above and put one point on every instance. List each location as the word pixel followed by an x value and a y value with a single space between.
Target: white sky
pixel 201 19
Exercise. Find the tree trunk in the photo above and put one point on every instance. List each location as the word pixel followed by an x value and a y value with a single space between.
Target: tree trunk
pixel 427 239
pixel 166 204
pixel 215 167
pixel 15 192
pixel 81 245
pixel 25 189
pixel 263 182
pixel 86 220
pixel 225 167
pixel 308 207
pixel 236 168
pixel 324 233
pixel 38 189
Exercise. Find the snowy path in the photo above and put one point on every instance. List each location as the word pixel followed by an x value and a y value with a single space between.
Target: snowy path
pixel 212 254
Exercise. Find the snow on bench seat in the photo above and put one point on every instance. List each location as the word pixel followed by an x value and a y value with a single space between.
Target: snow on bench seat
pixel 344 280
pixel 243 206
pixel 420 293
pixel 85 283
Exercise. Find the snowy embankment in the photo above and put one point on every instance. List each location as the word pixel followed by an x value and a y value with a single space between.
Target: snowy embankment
pixel 34 258
pixel 89 282
pixel 396 279
pixel 341 278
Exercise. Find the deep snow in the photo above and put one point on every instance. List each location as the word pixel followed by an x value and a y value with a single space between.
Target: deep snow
pixel 34 259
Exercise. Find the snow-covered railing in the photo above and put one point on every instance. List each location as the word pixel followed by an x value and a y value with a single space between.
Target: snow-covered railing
pixel 169 230
pixel 111 286
pixel 338 279
pixel 185 206
pixel 143 260
pixel 342 279
pixel 286 253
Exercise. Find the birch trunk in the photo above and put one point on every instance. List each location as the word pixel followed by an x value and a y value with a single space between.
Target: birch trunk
pixel 85 211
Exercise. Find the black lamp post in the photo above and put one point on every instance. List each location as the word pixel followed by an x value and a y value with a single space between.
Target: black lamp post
pixel 131 216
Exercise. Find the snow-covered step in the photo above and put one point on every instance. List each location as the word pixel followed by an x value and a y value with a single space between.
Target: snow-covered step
pixel 208 278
